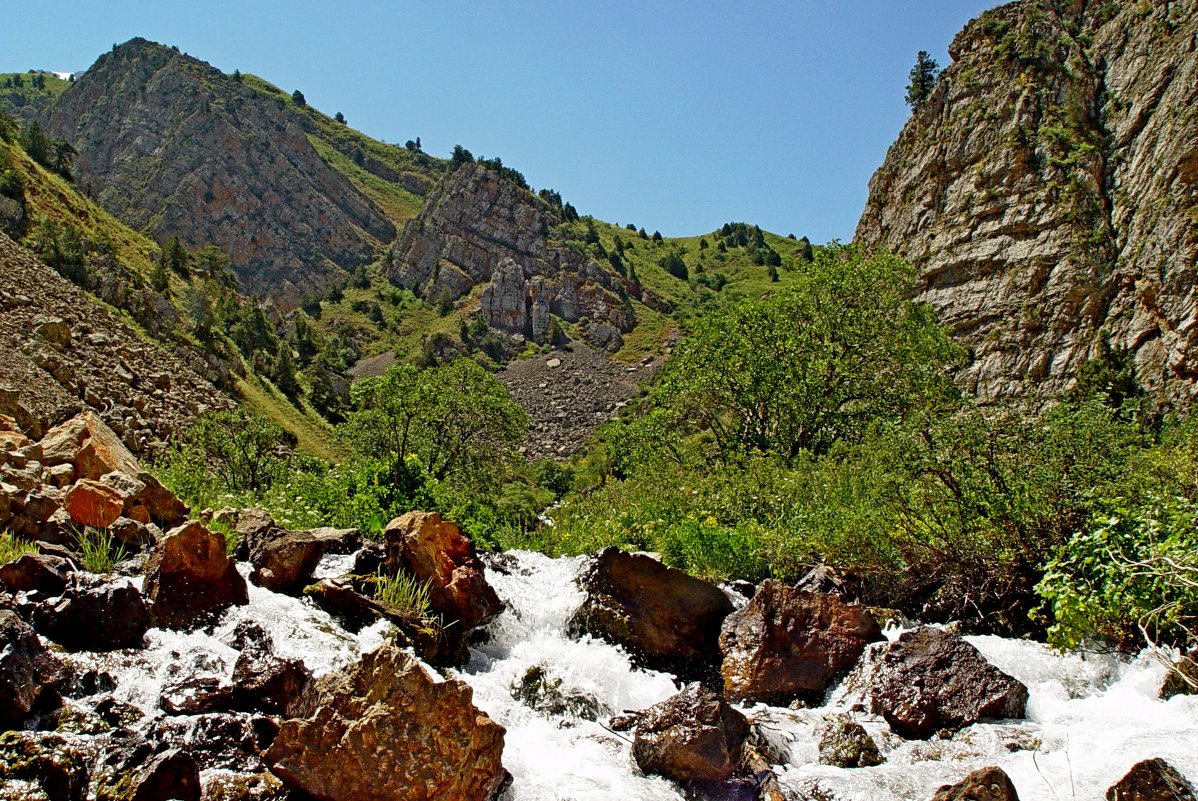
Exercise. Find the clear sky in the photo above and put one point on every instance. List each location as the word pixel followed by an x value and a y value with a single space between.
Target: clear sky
pixel 677 116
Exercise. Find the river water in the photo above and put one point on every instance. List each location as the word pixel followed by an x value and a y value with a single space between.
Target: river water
pixel 1090 716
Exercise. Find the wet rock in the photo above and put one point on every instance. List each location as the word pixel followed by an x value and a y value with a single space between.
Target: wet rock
pixel 354 610
pixel 216 740
pixel 286 561
pixel 825 580
pixel 433 550
pixel 789 643
pixel 55 765
pixel 36 572
pixel 1182 678
pixel 73 719
pixel 254 787
pixel 986 784
pixel 693 737
pixel 93 504
pixel 929 680
pixel 370 559
pixel 262 680
pixel 542 692
pixel 134 773
pixel 844 743
pixel 95 616
pixel 196 695
pixel 387 710
pixel 28 672
pixel 668 620
pixel 117 714
pixel 1152 780
pixel 190 579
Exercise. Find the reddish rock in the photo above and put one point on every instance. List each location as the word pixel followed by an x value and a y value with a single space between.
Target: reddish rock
pixel 423 545
pixel 667 619
pixel 93 504
pixel 788 643
pixel 190 580
pixel 985 784
pixel 384 730
pixel 693 737
pixel 1152 780
pixel 930 680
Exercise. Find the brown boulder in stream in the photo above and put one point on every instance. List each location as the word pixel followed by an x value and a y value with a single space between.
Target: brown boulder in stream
pixel 667 619
pixel 433 550
pixel 788 643
pixel 930 680
pixel 191 580
pixel 984 784
pixel 1151 780
pixel 384 729
pixel 694 737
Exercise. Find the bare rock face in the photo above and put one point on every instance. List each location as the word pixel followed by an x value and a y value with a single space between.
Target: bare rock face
pixel 1046 193
pixel 667 619
pixel 172 146
pixel 190 580
pixel 788 643
pixel 984 784
pixel 929 680
pixel 1152 780
pixel 384 729
pixel 479 228
pixel 423 545
pixel 692 737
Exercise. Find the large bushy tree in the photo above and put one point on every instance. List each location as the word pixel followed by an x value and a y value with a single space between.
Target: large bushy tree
pixel 812 364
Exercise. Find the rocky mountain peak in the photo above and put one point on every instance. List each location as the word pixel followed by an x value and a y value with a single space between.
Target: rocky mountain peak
pixel 174 147
pixel 1047 191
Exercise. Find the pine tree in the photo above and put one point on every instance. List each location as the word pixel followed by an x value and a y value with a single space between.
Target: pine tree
pixel 922 79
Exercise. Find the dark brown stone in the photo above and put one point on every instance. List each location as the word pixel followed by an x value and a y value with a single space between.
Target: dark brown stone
pixel 28 672
pixel 667 619
pixel 190 580
pixel 95 616
pixel 789 643
pixel 930 680
pixel 1152 780
pixel 692 737
pixel 36 572
pixel 284 561
pixel 985 784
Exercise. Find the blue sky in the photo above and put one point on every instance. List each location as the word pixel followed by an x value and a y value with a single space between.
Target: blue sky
pixel 676 116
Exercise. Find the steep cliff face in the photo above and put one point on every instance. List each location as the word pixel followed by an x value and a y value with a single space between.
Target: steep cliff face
pixel 1047 191
pixel 480 229
pixel 173 146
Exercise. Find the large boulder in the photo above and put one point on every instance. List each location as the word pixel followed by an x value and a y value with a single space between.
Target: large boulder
pixel 191 580
pixel 95 616
pixel 1152 780
pixel 694 737
pixel 788 643
pixel 667 619
pixel 286 561
pixel 433 550
pixel 384 729
pixel 930 680
pixel 90 503
pixel 984 784
pixel 28 672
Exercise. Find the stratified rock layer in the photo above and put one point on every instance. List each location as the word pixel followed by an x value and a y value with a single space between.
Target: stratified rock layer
pixel 1047 189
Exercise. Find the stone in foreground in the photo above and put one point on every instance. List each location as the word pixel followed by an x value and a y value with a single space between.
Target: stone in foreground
pixel 1152 780
pixel 693 737
pixel 190 580
pixel 985 784
pixel 384 730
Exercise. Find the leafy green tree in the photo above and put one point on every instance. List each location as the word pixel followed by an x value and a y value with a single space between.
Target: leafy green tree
pixel 814 363
pixel 461 156
pixel 283 374
pixel 922 79
pixel 159 280
pixel 244 451
pixel 455 421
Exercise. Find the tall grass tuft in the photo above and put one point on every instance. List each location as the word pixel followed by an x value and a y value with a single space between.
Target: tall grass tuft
pixel 405 597
pixel 100 550
pixel 12 548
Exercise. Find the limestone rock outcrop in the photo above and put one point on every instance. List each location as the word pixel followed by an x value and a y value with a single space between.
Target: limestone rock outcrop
pixel 172 146
pixel 1046 192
